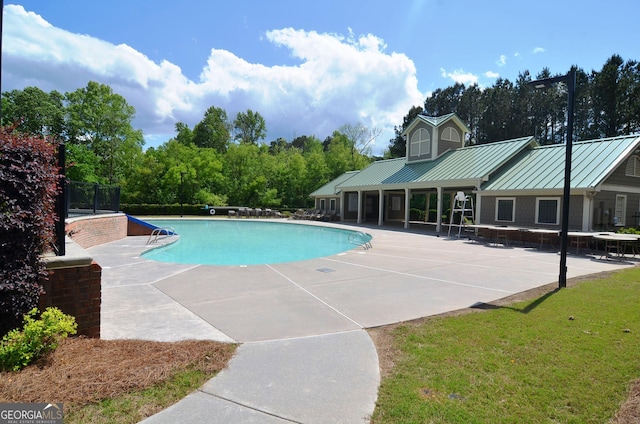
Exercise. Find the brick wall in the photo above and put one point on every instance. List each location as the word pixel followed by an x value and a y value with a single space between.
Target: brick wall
pixel 74 284
pixel 94 230
pixel 76 291
pixel 137 229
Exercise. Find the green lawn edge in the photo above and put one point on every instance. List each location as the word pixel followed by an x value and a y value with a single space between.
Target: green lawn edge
pixel 568 356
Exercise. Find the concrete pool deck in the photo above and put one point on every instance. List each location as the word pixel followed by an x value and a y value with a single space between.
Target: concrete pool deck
pixel 305 355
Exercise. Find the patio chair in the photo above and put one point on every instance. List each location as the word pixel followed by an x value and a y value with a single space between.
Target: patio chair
pixel 322 216
pixel 311 214
pixel 298 214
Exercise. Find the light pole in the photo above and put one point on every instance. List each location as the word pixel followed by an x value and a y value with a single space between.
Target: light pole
pixel 61 205
pixel 570 80
pixel 181 181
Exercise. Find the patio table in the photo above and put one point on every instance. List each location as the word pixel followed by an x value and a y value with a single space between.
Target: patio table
pixel 617 242
pixel 501 231
pixel 544 234
pixel 580 238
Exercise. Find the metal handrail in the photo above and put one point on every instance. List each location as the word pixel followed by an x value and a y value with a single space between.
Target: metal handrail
pixel 168 231
pixel 361 239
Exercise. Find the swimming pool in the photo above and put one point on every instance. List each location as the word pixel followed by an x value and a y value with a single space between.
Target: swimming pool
pixel 245 242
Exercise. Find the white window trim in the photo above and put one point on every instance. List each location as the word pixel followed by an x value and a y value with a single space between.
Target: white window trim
pixel 422 146
pixel 513 210
pixel 621 214
pixel 446 135
pixel 633 166
pixel 557 199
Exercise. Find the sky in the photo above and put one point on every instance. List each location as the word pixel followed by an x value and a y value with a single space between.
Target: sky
pixel 307 67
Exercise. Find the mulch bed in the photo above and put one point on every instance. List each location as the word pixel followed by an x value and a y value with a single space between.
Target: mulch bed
pixel 82 370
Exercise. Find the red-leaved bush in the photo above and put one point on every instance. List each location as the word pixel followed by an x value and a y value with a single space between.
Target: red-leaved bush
pixel 28 188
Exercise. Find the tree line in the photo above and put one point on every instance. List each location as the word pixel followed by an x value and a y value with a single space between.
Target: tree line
pixel 224 161
pixel 220 161
pixel 607 104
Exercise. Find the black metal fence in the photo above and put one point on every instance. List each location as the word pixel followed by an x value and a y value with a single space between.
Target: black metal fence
pixel 90 199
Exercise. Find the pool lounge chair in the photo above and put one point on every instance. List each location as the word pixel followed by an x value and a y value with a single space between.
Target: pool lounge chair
pixel 299 214
pixel 313 214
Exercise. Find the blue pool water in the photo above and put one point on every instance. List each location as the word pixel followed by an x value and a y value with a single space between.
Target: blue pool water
pixel 245 242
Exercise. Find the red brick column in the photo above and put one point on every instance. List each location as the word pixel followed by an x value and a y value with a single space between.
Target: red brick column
pixel 76 291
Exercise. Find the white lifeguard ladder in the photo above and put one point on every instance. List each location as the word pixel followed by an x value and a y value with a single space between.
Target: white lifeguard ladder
pixel 463 204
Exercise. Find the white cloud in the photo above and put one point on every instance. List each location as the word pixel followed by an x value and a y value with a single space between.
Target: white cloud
pixel 502 60
pixel 491 74
pixel 460 76
pixel 538 50
pixel 338 80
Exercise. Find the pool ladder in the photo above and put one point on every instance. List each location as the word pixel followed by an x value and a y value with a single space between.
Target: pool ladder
pixel 361 239
pixel 157 232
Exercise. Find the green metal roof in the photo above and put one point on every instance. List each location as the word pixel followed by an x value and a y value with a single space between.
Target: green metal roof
pixel 436 121
pixel 331 188
pixel 466 166
pixel 543 167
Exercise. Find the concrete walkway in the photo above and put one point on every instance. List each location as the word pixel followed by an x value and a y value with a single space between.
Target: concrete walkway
pixel 305 356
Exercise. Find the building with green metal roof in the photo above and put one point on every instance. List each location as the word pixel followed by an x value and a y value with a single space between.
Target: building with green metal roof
pixel 513 182
pixel 328 196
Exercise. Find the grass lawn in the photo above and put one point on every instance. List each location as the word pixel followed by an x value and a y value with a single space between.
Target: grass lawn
pixel 569 356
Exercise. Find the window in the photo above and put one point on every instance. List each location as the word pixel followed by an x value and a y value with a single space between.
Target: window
pixel 548 210
pixel 420 143
pixel 323 204
pixel 633 166
pixel 352 205
pixel 332 205
pixel 505 209
pixel 450 134
pixel 621 208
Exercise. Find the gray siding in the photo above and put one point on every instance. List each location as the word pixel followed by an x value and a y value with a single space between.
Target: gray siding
pixel 619 178
pixel 604 206
pixel 604 203
pixel 525 212
pixel 327 203
pixel 443 146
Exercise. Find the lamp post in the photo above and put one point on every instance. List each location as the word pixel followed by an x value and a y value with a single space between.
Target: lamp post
pixel 570 80
pixel 61 204
pixel 181 181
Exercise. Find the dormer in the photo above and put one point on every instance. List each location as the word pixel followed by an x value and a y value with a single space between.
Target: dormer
pixel 429 137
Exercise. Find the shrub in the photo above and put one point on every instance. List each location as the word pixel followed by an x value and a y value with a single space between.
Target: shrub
pixel 27 217
pixel 165 210
pixel 416 214
pixel 629 230
pixel 38 337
